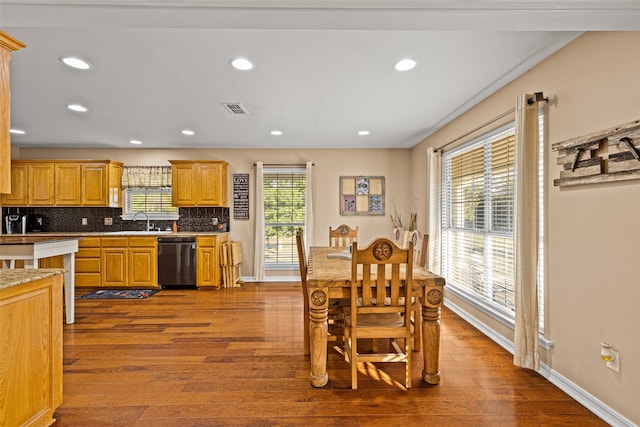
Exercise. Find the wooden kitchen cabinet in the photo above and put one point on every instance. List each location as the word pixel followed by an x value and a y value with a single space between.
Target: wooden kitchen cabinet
pixel 40 182
pixel 8 44
pixel 31 343
pixel 199 183
pixel 129 262
pixel 19 189
pixel 101 184
pixel 208 269
pixel 87 266
pixel 143 262
pixel 65 183
pixel 114 254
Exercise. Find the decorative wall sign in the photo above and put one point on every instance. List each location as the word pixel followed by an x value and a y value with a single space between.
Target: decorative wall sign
pixel 361 195
pixel 609 155
pixel 240 196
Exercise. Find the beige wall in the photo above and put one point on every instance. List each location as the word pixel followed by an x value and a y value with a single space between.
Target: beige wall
pixel 592 234
pixel 329 165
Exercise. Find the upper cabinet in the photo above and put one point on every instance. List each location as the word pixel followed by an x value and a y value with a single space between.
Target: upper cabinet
pixel 7 45
pixel 199 183
pixel 65 183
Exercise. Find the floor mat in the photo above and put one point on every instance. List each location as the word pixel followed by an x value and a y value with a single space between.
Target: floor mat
pixel 119 294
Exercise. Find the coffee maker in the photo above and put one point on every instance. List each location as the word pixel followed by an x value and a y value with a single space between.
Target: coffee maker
pixel 16 223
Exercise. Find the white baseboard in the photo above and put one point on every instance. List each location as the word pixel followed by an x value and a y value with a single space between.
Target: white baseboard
pixel 589 401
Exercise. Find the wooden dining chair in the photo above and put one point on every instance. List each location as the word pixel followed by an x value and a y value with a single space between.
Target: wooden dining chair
pixel 420 247
pixel 335 314
pixel 302 262
pixel 343 236
pixel 380 305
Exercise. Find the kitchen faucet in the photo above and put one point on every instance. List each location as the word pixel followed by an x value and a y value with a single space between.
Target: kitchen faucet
pixel 146 215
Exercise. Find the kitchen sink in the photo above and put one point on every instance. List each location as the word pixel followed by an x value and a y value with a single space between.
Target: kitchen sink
pixel 137 233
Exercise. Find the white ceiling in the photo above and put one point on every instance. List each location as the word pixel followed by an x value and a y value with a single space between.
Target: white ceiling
pixel 324 68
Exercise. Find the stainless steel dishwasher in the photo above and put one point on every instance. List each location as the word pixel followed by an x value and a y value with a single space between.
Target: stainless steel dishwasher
pixel 177 261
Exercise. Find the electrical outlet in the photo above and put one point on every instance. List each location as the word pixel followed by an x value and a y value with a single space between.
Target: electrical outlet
pixel 108 221
pixel 214 221
pixel 84 221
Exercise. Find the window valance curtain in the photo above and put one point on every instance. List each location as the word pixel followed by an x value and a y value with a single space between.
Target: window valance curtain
pixel 146 177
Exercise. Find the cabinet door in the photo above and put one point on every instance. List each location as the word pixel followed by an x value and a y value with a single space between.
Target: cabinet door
pixel 143 267
pixel 67 184
pixel 94 185
pixel 18 195
pixel 40 182
pixel 204 267
pixel 114 267
pixel 210 185
pixel 183 185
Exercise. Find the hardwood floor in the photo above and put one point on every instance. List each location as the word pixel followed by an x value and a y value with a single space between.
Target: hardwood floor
pixel 233 357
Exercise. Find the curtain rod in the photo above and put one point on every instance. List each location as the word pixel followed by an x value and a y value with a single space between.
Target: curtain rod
pixel 284 164
pixel 477 128
pixel 537 97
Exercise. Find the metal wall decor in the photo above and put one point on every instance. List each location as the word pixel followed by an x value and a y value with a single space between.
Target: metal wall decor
pixel 609 155
pixel 361 195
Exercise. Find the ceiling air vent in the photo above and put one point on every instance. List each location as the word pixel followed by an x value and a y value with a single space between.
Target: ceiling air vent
pixel 235 108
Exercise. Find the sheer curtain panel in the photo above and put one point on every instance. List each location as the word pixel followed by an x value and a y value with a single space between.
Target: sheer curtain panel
pixel 526 331
pixel 258 268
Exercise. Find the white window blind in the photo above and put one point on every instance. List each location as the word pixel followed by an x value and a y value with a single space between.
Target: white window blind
pixel 478 191
pixel 477 228
pixel 156 202
pixel 284 211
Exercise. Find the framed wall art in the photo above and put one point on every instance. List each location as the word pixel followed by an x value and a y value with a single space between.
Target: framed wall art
pixel 361 195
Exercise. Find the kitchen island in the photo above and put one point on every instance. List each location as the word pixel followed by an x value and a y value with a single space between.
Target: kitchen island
pixel 31 248
pixel 30 346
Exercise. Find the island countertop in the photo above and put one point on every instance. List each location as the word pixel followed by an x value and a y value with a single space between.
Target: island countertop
pixel 28 239
pixel 18 276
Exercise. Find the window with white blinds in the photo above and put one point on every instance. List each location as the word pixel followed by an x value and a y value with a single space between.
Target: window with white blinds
pixel 155 202
pixel 478 199
pixel 477 229
pixel 284 212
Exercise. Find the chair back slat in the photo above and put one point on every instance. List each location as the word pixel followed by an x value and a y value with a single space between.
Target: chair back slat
pixel 343 236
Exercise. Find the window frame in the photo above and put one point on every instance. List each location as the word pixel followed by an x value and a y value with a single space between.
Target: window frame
pixel 494 311
pixel 128 214
pixel 292 264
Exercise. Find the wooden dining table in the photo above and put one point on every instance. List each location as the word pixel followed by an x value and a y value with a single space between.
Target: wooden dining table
pixel 329 277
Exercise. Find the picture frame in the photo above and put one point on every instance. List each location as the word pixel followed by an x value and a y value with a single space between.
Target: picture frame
pixel 362 195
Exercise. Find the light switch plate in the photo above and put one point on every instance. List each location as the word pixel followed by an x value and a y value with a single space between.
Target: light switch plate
pixel 108 221
pixel 84 221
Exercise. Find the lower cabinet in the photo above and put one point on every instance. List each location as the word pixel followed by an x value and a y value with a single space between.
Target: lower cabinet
pixel 209 272
pixel 129 262
pixel 88 262
pixel 31 343
pixel 143 262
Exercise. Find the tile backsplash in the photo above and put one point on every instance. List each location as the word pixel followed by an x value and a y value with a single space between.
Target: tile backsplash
pixel 62 219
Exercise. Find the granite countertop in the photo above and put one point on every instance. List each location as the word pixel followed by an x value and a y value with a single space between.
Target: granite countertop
pixel 18 276
pixel 27 239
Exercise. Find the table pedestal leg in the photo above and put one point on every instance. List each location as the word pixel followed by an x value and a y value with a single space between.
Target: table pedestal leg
pixel 318 328
pixel 431 344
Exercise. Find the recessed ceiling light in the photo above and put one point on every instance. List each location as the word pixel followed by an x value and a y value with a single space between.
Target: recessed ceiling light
pixel 17 131
pixel 77 107
pixel 242 64
pixel 276 132
pixel 405 64
pixel 363 132
pixel 135 141
pixel 188 132
pixel 75 62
